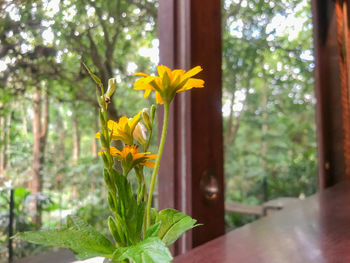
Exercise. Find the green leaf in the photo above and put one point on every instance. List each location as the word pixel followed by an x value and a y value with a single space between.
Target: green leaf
pixel 116 231
pixel 174 224
pixel 150 250
pixel 92 75
pixel 77 235
pixel 153 230
pixel 154 215
pixel 130 212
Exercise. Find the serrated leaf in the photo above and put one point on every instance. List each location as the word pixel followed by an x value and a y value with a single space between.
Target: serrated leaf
pixel 153 230
pixel 150 250
pixel 78 236
pixel 174 224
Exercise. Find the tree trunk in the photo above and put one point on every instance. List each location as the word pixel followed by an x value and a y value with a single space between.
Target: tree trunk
pixel 76 132
pixel 61 138
pixel 39 144
pixel 229 125
pixel 264 129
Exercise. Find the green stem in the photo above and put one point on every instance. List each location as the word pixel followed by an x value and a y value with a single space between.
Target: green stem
pixel 156 167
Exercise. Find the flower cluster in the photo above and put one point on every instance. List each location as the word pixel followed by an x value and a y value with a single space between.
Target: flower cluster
pixel 130 131
pixel 139 232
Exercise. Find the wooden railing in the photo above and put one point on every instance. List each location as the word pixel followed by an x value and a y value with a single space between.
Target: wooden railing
pixel 260 210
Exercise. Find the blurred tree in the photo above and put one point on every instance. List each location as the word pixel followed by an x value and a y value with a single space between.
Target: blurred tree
pixel 41 46
pixel 268 98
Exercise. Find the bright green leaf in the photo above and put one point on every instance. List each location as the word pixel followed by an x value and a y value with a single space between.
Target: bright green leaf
pixel 77 235
pixel 153 230
pixel 174 224
pixel 150 250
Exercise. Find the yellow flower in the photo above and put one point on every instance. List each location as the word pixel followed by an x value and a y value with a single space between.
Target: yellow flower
pixel 123 129
pixel 168 83
pixel 131 157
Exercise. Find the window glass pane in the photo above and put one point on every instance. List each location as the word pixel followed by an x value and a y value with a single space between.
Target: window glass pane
pixel 268 105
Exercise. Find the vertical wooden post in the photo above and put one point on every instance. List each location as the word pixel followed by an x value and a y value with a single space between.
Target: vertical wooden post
pixel 341 11
pixel 332 102
pixel 191 175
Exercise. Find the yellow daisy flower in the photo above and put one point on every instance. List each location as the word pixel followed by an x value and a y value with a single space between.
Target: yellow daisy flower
pixel 130 157
pixel 168 83
pixel 123 129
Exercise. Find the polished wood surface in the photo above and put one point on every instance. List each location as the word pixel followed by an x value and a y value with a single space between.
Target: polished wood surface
pixel 313 230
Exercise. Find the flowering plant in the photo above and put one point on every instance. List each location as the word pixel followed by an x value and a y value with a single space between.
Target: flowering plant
pixel 140 232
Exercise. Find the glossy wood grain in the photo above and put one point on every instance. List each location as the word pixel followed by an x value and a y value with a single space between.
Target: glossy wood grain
pixel 314 230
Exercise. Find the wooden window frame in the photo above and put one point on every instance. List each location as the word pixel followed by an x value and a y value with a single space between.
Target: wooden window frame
pixel 190 35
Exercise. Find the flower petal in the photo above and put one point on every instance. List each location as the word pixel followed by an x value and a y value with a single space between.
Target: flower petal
pixel 192 72
pixel 114 151
pixel 149 164
pixel 147 92
pixel 141 74
pixel 143 83
pixel 152 156
pixel 134 121
pixel 161 69
pixel 159 99
pixel 192 83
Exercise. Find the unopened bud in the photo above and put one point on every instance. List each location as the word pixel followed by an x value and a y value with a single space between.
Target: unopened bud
pixel 153 112
pixel 146 119
pixel 112 85
pixel 139 134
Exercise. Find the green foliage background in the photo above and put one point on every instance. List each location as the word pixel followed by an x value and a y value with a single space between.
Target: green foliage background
pixel 268 75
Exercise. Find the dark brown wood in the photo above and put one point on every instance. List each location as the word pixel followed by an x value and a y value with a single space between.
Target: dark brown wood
pixel 194 145
pixel 329 107
pixel 314 230
pixel 343 60
pixel 207 142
